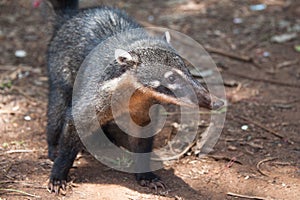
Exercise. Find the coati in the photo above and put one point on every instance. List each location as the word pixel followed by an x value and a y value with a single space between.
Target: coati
pixel 147 64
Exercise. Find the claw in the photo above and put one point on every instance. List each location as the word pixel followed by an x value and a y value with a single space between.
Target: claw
pixel 64 185
pixel 57 186
pixel 157 184
pixel 50 187
pixel 150 180
pixel 161 184
pixel 143 183
pixel 56 189
pixel 153 184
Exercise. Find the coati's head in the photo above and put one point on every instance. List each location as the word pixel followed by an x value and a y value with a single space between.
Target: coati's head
pixel 163 74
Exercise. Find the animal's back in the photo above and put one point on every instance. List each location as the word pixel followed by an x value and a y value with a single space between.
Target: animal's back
pixel 74 40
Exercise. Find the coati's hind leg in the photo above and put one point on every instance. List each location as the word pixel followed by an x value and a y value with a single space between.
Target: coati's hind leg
pixel 57 106
pixel 142 162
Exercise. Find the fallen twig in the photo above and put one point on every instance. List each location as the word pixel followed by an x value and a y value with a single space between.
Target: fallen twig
pixel 18 151
pixel 20 192
pixel 5 182
pixel 13 67
pixel 230 160
pixel 262 126
pixel 292 101
pixel 261 162
pixel 287 63
pixel 263 80
pixel 10 112
pixel 282 163
pixel 227 54
pixel 24 184
pixel 245 196
pixel 252 144
pixel 29 185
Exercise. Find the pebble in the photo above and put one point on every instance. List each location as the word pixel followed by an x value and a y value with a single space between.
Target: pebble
pixel 20 53
pixel 283 184
pixel 258 7
pixel 150 18
pixel 244 127
pixel 27 118
pixel 232 148
pixel 238 20
pixel 284 37
pixel 266 54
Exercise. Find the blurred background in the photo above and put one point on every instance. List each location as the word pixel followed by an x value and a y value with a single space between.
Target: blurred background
pixel 256 46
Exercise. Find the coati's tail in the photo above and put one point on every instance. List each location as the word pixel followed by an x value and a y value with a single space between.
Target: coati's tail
pixel 63 7
pixel 64 10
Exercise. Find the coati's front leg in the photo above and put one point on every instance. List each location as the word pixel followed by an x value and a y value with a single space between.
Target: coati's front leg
pixel 142 162
pixel 57 106
pixel 69 145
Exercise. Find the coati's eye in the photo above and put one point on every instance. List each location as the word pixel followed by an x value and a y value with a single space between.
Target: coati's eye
pixel 171 79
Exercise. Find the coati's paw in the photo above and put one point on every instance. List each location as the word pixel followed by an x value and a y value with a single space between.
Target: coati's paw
pixel 57 186
pixel 150 180
pixel 153 184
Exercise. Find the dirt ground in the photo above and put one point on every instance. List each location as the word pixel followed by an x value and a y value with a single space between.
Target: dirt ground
pixel 258 153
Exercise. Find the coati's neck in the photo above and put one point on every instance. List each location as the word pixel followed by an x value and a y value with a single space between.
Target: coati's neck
pixel 124 95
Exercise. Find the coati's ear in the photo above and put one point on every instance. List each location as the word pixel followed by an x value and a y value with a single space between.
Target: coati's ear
pixel 122 56
pixel 167 37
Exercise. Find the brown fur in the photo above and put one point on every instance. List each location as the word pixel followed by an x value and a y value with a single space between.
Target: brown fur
pixel 140 102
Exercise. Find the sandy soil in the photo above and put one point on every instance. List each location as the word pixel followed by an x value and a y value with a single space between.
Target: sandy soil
pixel 262 162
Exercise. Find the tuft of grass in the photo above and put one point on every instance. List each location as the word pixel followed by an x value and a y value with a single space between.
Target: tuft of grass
pixel 5 85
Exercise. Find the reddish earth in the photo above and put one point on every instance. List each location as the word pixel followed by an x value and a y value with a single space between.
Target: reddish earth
pixel 262 161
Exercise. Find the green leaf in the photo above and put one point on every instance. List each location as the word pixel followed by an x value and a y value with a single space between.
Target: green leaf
pixel 297 48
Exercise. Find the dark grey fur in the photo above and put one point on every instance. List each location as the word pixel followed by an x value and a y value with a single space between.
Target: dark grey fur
pixel 80 32
pixel 71 43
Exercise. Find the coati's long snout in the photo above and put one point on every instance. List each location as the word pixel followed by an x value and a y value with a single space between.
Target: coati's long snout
pixel 186 92
pixel 205 99
pixel 200 96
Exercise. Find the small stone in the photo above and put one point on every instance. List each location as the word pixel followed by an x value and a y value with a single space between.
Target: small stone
pixel 284 37
pixel 20 53
pixel 238 20
pixel 258 7
pixel 150 18
pixel 232 148
pixel 297 48
pixel 266 54
pixel 283 184
pixel 27 118
pixel 244 127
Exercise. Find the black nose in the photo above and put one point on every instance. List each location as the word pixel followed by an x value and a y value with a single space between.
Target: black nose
pixel 216 104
